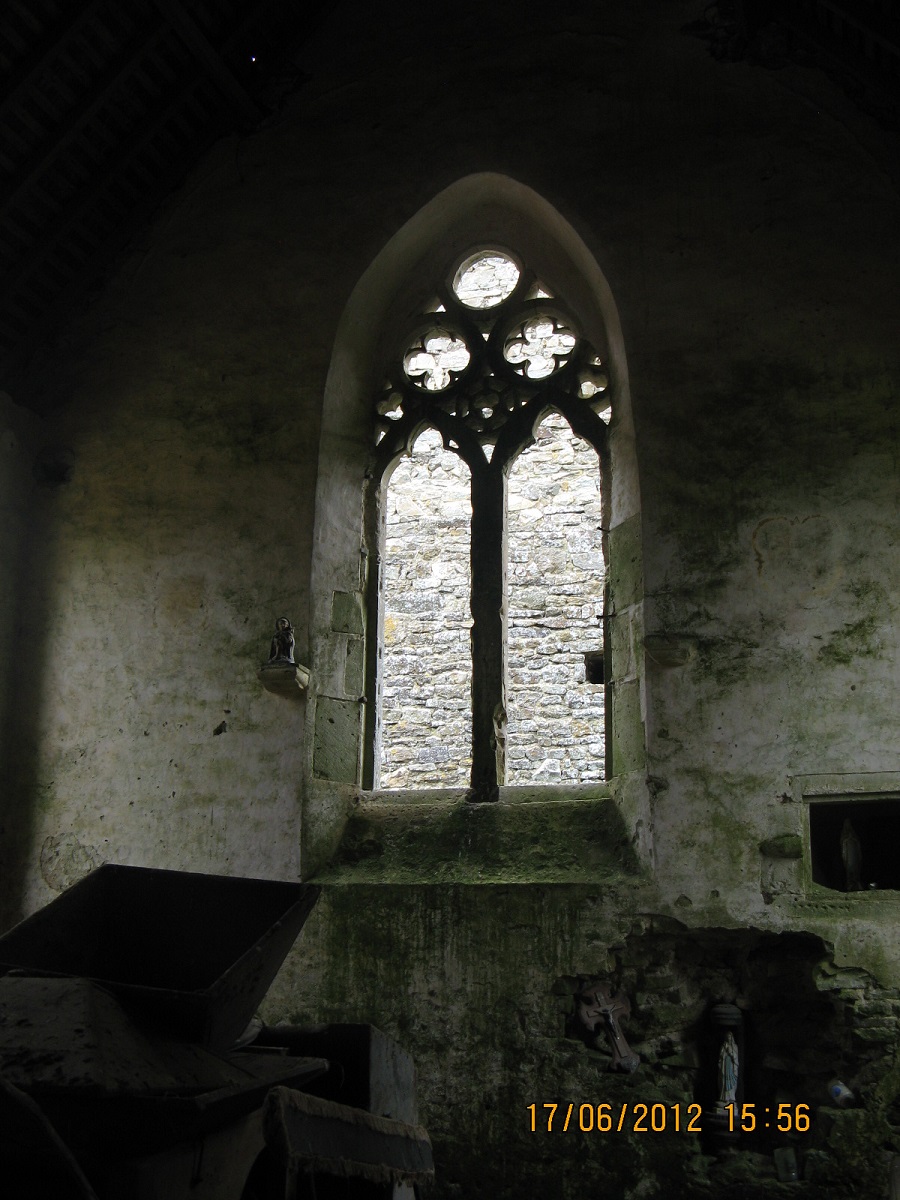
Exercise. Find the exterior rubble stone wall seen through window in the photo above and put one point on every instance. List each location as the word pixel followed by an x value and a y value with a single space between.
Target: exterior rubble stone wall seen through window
pixel 555 599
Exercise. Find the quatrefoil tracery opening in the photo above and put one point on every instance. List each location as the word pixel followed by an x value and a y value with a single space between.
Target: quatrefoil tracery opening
pixel 436 360
pixel 493 340
pixel 540 345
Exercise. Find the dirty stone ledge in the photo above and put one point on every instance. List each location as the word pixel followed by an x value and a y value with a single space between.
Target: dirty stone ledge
pixel 518 794
pixel 569 834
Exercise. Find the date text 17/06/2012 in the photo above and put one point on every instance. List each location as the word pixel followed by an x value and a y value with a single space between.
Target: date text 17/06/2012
pixel 568 1117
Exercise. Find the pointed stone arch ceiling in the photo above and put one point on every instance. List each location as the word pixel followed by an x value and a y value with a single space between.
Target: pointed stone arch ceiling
pixel 104 107
pixel 856 42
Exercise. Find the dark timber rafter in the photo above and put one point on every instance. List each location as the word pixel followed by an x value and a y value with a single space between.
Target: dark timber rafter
pixel 215 66
pixel 104 107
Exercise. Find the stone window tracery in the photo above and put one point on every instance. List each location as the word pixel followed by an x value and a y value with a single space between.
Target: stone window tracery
pixel 497 352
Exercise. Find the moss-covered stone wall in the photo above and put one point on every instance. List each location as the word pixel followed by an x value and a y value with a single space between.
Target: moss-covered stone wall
pixel 730 235
pixel 496 1032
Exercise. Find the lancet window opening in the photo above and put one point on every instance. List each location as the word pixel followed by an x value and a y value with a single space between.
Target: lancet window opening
pixel 496 352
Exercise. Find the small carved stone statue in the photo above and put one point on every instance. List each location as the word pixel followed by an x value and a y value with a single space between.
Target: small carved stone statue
pixel 728 1073
pixel 851 856
pixel 499 742
pixel 282 649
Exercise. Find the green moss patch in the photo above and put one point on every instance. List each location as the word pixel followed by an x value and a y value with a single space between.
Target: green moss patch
pixel 580 840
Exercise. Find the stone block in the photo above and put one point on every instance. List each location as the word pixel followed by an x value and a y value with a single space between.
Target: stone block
pixel 337 740
pixel 348 613
pixel 622 646
pixel 355 668
pixel 785 845
pixel 628 729
pixel 625 569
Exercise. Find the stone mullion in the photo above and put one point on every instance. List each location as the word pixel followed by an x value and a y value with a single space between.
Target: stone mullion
pixel 488 606
pixel 488 603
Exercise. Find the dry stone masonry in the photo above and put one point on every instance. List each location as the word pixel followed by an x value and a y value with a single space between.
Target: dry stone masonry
pixel 555 597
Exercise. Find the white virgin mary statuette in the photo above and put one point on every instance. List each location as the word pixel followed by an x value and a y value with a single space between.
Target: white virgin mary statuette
pixel 728 1073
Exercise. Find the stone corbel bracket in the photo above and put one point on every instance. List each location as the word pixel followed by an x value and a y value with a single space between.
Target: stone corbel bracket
pixel 284 679
pixel 669 650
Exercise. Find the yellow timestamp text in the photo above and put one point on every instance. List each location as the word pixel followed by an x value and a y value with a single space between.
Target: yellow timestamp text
pixel 609 1118
pixel 588 1117
pixel 786 1118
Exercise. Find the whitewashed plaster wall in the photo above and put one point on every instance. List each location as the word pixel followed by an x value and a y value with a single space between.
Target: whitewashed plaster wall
pixel 744 222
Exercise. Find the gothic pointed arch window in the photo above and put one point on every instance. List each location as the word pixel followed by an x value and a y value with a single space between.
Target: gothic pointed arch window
pixel 497 358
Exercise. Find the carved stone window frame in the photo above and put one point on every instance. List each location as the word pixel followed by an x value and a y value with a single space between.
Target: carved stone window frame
pixel 486 410
pixel 391 291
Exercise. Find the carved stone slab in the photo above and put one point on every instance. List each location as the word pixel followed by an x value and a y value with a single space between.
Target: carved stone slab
pixel 284 678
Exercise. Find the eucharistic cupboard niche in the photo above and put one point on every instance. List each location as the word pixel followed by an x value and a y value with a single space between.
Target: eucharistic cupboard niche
pixel 850 826
pixel 853 844
pixel 495 356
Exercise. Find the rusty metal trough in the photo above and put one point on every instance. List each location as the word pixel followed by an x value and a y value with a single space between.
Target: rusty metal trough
pixel 189 953
pixel 124 1069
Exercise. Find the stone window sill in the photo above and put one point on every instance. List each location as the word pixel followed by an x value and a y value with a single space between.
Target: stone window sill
pixel 533 793
pixel 566 834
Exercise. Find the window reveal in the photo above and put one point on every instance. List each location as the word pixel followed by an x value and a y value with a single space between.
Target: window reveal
pixel 555 602
pixel 496 354
pixel 426 733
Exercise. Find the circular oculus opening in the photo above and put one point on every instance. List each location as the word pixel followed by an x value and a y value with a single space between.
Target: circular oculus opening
pixel 485 280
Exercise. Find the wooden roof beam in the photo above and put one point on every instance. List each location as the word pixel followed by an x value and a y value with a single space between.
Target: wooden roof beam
pixel 217 69
pixel 79 116
pixel 43 54
pixel 79 203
